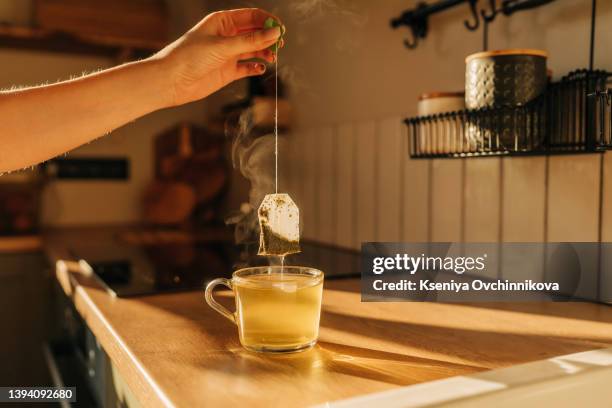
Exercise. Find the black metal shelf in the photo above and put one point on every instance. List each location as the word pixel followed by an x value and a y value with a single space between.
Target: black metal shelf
pixel 572 116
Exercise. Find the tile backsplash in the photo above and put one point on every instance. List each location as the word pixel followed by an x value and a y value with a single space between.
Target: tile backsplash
pixel 355 182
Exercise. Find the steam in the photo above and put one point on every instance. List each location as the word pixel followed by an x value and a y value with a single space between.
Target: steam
pixel 319 8
pixel 292 75
pixel 339 22
pixel 254 157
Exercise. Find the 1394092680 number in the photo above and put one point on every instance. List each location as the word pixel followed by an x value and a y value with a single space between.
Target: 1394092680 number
pixel 43 393
pixel 49 394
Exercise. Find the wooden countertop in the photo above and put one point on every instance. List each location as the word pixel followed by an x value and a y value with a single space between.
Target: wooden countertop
pixel 172 349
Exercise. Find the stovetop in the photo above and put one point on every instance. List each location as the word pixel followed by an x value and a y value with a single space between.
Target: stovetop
pixel 134 270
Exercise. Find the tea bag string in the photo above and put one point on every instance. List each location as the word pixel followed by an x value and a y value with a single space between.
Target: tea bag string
pixel 276 122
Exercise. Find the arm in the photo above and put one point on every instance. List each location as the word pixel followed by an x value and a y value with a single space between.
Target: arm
pixel 41 122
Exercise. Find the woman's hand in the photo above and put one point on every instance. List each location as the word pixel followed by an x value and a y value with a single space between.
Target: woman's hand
pixel 212 54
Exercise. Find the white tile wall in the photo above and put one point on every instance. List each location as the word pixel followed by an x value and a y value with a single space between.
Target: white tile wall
pixel 416 191
pixel 355 182
pixel 447 184
pixel 482 200
pixel 345 186
pixel 295 164
pixel 524 199
pixel 324 140
pixel 365 184
pixel 606 220
pixel 388 181
pixel 573 215
pixel 309 213
pixel 573 198
pixel 482 206
pixel 523 208
pixel 605 289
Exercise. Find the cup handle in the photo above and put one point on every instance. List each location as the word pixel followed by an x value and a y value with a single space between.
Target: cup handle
pixel 208 295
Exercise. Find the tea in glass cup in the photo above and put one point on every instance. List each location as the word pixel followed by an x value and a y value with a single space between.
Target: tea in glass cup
pixel 277 307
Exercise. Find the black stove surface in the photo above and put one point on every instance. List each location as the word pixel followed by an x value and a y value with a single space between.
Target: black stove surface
pixel 136 270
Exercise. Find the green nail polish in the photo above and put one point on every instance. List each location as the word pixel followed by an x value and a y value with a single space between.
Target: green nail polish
pixel 271 23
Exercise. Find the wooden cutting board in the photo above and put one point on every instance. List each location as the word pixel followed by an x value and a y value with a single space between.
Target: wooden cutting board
pixel 186 158
pixel 169 203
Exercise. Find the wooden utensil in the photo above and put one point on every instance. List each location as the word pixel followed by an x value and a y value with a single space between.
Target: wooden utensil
pixel 168 203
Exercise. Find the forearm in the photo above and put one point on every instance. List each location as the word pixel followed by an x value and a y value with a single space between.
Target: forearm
pixel 39 123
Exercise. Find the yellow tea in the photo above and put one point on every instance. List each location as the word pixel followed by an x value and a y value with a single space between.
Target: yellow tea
pixel 278 311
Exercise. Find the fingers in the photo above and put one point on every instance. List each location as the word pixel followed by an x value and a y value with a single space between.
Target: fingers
pixel 246 69
pixel 266 55
pixel 247 19
pixel 252 41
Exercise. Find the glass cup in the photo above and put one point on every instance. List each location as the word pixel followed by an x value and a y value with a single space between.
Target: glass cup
pixel 277 307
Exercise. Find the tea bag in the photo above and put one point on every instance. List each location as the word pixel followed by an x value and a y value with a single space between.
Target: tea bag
pixel 279 222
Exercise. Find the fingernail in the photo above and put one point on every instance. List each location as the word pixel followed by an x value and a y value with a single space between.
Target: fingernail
pixel 272 33
pixel 260 67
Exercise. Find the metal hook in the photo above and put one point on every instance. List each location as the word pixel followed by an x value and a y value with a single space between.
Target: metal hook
pixel 489 17
pixel 472 26
pixel 411 44
pixel 418 30
pixel 416 21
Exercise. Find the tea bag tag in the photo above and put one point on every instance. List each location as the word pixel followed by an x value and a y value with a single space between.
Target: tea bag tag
pixel 279 223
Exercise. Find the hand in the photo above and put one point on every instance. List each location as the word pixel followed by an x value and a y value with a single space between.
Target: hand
pixel 212 54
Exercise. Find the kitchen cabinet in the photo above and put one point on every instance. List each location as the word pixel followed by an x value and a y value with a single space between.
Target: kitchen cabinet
pixel 25 287
pixel 75 358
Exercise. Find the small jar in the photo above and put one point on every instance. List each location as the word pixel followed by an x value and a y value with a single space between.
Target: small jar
pixel 440 136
